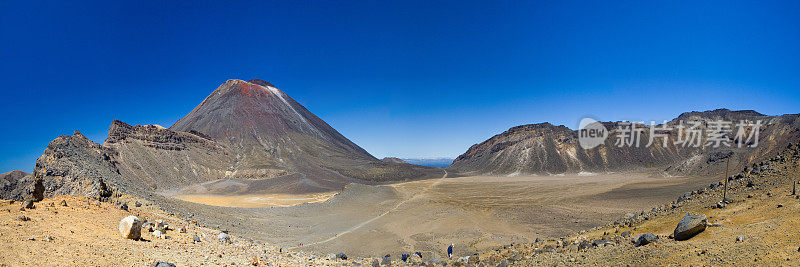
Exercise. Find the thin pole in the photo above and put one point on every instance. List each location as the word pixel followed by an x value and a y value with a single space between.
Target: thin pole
pixel 725 190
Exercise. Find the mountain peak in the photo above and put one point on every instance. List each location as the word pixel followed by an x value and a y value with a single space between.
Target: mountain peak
pixel 261 82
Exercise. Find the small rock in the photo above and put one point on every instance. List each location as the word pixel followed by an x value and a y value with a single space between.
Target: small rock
pixel 626 234
pixel 196 239
pixel 162 264
pixel 131 227
pixel 224 238
pixel 48 238
pixel 584 245
pixel 158 234
pixel 123 206
pixel 780 205
pixel 63 203
pixel 740 238
pixel 341 256
pixel 28 204
pixel 24 218
pixel 644 239
pixel 161 226
pixel 182 230
pixel 137 204
pixel 572 248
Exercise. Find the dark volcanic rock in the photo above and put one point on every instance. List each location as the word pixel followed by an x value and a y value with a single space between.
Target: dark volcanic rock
pixel 70 165
pixel 8 182
pixel 690 226
pixel 644 239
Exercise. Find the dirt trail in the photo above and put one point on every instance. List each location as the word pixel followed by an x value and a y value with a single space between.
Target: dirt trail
pixel 362 224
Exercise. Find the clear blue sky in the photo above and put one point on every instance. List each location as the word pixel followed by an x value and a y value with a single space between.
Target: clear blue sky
pixel 399 78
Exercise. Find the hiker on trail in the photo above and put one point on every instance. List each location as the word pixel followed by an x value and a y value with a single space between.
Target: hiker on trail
pixel 450 250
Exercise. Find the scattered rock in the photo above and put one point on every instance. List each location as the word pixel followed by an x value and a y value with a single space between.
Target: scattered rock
pixel 196 239
pixel 572 248
pixel 341 256
pixel 28 204
pixel 224 238
pixel 182 230
pixel 63 203
pixel 148 226
pixel 24 218
pixel 131 227
pixel 780 205
pixel 584 245
pixel 161 226
pixel 137 204
pixel 740 238
pixel 162 264
pixel 644 239
pixel 690 226
pixel 625 234
pixel 123 206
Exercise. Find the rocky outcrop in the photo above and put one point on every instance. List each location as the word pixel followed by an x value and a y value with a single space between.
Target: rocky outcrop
pixel 548 149
pixel 70 165
pixel 8 182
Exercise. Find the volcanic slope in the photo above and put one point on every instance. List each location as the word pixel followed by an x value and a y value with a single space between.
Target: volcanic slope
pixel 271 135
pixel 548 149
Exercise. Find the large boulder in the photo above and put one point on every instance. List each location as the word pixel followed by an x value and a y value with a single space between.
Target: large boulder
pixel 690 226
pixel 131 227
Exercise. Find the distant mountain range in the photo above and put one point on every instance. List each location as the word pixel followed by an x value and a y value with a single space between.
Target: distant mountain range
pixel 548 149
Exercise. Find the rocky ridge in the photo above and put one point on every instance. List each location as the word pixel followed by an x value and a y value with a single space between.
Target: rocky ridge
pixel 548 149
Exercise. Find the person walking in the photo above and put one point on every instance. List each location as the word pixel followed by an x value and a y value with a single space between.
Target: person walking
pixel 450 250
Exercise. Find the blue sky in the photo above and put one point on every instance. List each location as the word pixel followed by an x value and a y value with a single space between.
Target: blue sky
pixel 399 78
